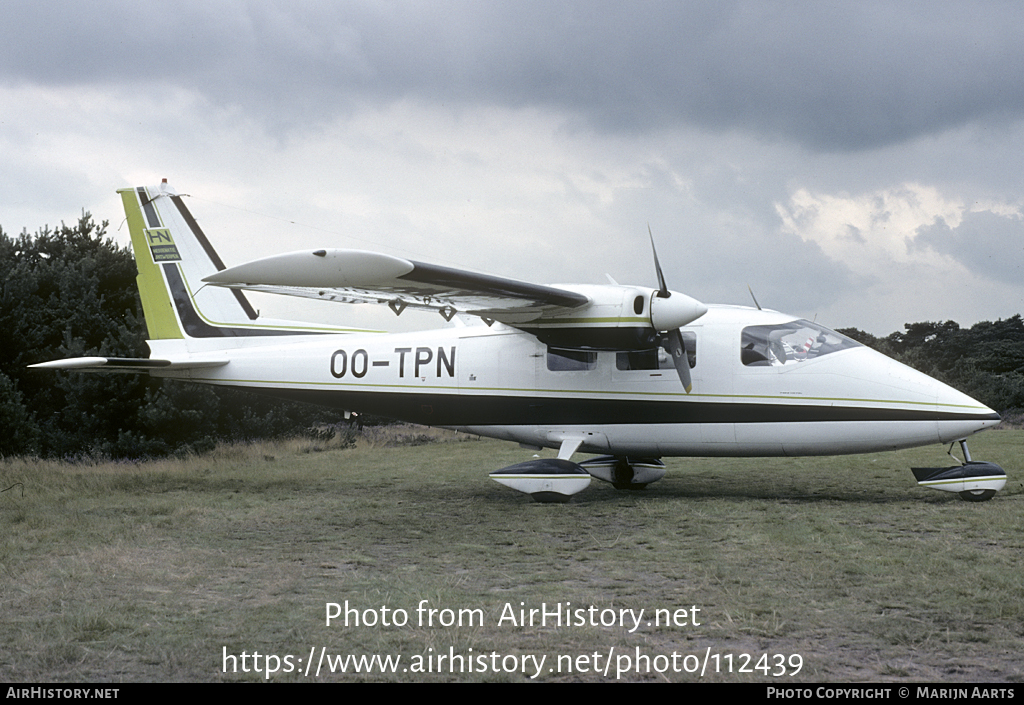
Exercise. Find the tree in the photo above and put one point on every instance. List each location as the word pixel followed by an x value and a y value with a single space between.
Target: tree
pixel 71 292
pixel 68 292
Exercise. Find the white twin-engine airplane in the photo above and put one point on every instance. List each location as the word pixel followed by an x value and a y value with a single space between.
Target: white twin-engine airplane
pixel 631 373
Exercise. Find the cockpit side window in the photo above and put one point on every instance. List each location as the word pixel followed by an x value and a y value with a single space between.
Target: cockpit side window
pixel 788 343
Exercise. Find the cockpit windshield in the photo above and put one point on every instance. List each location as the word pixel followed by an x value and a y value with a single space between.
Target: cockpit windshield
pixel 789 343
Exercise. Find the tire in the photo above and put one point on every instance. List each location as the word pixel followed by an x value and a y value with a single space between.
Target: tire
pixel 977 495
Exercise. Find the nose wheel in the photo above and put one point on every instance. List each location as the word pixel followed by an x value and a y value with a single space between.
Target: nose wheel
pixel 977 495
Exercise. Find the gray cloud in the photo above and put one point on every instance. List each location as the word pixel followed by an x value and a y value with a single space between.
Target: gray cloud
pixel 844 76
pixel 988 244
pixel 451 131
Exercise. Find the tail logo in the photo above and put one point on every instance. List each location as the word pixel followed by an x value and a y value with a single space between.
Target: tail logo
pixel 161 245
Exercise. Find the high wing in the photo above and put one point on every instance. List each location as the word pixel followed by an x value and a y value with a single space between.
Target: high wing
pixel 577 316
pixel 358 276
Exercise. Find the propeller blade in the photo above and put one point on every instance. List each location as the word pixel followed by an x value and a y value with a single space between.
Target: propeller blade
pixel 663 288
pixel 675 347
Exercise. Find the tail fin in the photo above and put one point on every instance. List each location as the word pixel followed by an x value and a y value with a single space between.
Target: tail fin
pixel 173 255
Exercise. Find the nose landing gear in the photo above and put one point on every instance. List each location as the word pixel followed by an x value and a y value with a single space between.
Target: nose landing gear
pixel 973 480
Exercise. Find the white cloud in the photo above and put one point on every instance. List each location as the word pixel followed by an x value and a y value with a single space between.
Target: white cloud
pixel 899 241
pixel 870 232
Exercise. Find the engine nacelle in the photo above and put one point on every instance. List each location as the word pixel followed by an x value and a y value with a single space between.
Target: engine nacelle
pixel 617 318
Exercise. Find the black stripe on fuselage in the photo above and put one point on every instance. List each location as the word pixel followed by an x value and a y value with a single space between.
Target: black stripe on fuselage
pixel 495 410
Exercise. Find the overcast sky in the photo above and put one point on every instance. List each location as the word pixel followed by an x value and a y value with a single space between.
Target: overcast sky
pixel 858 162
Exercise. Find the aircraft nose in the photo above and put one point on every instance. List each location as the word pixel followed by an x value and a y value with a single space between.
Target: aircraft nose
pixel 955 414
pixel 951 398
pixel 959 414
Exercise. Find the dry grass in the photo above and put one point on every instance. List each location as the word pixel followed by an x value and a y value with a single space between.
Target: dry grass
pixel 149 572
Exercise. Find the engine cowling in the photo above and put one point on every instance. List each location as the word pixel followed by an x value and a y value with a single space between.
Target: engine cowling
pixel 674 311
pixel 617 318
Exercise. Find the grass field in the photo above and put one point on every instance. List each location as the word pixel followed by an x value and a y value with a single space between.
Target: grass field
pixel 173 570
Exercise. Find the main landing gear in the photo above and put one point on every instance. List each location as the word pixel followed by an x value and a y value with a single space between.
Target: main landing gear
pixel 549 480
pixel 558 479
pixel 625 473
pixel 974 480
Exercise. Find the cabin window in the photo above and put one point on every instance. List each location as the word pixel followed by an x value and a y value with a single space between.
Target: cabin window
pixel 657 358
pixel 560 360
pixel 789 343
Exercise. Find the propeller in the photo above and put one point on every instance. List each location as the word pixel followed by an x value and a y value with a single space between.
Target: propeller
pixel 673 343
pixel 669 312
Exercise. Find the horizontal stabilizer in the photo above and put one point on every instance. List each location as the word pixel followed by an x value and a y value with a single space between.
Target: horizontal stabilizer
pixel 126 364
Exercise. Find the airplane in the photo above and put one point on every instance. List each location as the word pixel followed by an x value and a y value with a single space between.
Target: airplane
pixel 632 374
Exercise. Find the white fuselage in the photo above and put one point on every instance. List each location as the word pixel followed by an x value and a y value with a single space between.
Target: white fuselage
pixel 501 382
